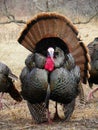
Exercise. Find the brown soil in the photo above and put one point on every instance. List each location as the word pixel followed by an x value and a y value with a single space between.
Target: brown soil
pixel 16 116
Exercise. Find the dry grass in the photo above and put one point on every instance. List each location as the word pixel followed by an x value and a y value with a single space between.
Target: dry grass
pixel 16 116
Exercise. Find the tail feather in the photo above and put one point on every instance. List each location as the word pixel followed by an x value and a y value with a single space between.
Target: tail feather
pixel 24 43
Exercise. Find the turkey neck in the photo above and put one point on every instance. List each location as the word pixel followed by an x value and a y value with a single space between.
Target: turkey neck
pixel 49 65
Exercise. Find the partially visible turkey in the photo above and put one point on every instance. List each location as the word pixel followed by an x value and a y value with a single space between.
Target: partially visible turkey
pixel 6 83
pixel 93 50
pixel 58 64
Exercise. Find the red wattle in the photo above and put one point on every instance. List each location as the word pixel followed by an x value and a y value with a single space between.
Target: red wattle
pixel 49 65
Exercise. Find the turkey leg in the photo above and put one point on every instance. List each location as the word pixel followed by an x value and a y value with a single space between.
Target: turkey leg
pixel 1 100
pixel 68 109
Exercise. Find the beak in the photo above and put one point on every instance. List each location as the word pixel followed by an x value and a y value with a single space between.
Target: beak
pixel 51 53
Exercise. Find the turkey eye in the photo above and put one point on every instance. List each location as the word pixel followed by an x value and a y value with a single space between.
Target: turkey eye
pixel 56 53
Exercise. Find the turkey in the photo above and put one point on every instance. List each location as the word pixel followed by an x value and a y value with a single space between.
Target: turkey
pixel 58 64
pixel 6 83
pixel 93 50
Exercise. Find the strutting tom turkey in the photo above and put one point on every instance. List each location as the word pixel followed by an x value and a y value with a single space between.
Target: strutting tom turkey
pixel 58 64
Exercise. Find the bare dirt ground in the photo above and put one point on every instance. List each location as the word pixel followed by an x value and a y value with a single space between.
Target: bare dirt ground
pixel 16 116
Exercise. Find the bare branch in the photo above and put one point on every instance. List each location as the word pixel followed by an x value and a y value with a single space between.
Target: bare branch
pixel 28 126
pixel 10 17
pixel 41 9
pixel 89 20
pixel 47 5
pixel 14 21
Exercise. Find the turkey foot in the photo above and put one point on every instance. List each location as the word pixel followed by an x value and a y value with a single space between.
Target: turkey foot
pixel 90 95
